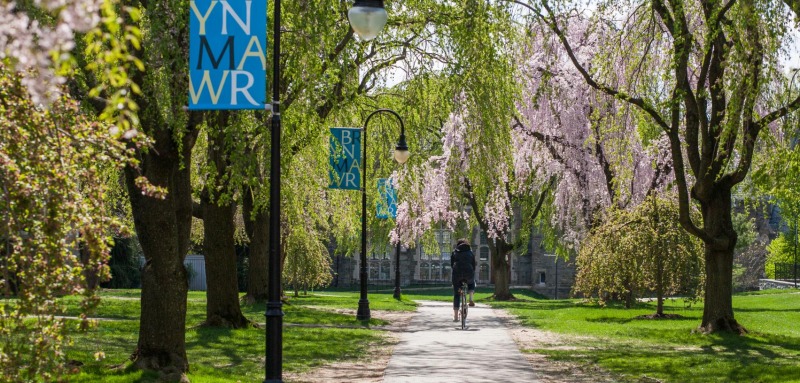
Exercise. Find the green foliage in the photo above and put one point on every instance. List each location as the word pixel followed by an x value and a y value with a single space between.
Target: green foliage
pixel 108 57
pixel 54 167
pixel 781 250
pixel 745 228
pixel 52 205
pixel 640 251
pixel 124 264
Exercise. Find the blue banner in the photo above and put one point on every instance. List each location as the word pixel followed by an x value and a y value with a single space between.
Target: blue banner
pixel 387 202
pixel 345 158
pixel 227 59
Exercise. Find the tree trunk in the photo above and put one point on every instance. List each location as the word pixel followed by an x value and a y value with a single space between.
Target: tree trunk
pixel 163 226
pixel 222 303
pixel 90 272
pixel 630 294
pixel 660 282
pixel 258 233
pixel 499 249
pixel 219 247
pixel 501 270
pixel 718 224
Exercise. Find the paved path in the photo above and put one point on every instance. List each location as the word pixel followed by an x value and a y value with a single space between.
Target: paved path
pixel 435 349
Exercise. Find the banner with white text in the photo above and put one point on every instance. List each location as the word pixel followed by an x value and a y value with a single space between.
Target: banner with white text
pixel 345 158
pixel 227 59
pixel 386 205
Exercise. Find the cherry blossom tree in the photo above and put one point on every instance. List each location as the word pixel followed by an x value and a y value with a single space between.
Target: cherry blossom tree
pixel 581 156
pixel 600 154
pixel 698 71
pixel 54 157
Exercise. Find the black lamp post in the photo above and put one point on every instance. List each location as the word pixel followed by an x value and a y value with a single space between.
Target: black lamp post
pixel 396 294
pixel 401 154
pixel 274 313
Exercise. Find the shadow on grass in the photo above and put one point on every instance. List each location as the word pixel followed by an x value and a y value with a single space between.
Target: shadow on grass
pixel 764 309
pixel 674 356
pixel 606 319
pixel 535 305
pixel 723 360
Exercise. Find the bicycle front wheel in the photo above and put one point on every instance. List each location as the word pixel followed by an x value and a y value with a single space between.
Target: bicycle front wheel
pixel 464 309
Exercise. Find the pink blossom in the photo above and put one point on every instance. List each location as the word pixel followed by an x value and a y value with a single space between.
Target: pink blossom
pixel 32 46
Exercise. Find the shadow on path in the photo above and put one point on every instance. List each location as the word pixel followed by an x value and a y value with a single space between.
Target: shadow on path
pixel 435 349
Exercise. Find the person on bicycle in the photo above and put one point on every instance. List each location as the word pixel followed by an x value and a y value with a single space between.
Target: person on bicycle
pixel 463 264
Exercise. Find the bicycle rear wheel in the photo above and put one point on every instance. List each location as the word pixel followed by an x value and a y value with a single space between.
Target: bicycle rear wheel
pixel 464 307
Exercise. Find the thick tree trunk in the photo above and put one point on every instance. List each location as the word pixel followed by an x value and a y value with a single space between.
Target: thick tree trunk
pixel 222 288
pixel 499 249
pixel 222 303
pixel 501 271
pixel 163 226
pixel 258 232
pixel 718 304
pixel 718 308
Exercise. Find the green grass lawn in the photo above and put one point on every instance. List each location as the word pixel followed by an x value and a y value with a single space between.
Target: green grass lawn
pixel 611 337
pixel 669 350
pixel 223 355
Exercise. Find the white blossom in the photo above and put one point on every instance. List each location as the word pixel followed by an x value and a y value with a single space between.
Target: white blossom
pixel 32 46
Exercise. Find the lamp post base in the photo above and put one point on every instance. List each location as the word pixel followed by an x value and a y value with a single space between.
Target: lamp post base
pixel 363 310
pixel 396 292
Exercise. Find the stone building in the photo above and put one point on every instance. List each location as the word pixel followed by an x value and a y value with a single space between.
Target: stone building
pixel 535 269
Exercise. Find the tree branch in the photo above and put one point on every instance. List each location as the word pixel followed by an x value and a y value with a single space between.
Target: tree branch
pixel 639 102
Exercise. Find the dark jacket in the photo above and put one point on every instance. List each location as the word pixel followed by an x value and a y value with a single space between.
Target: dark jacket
pixel 463 264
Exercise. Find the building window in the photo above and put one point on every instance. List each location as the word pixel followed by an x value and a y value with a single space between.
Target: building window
pixel 385 270
pixel 445 244
pixel 542 278
pixel 424 271
pixel 483 275
pixel 436 272
pixel 374 269
pixel 446 272
pixel 484 253
pixel 483 239
pixel 423 254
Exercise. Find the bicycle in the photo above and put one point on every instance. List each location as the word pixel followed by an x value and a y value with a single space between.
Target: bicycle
pixel 464 307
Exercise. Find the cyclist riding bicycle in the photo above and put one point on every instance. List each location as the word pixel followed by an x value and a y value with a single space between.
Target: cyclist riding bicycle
pixel 462 261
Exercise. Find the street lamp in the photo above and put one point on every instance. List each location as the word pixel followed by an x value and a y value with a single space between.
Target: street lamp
pixel 274 313
pixel 401 155
pixel 397 294
pixel 367 17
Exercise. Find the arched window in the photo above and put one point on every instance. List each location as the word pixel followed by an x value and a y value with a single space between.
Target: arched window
pixel 446 272
pixel 424 271
pixel 483 275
